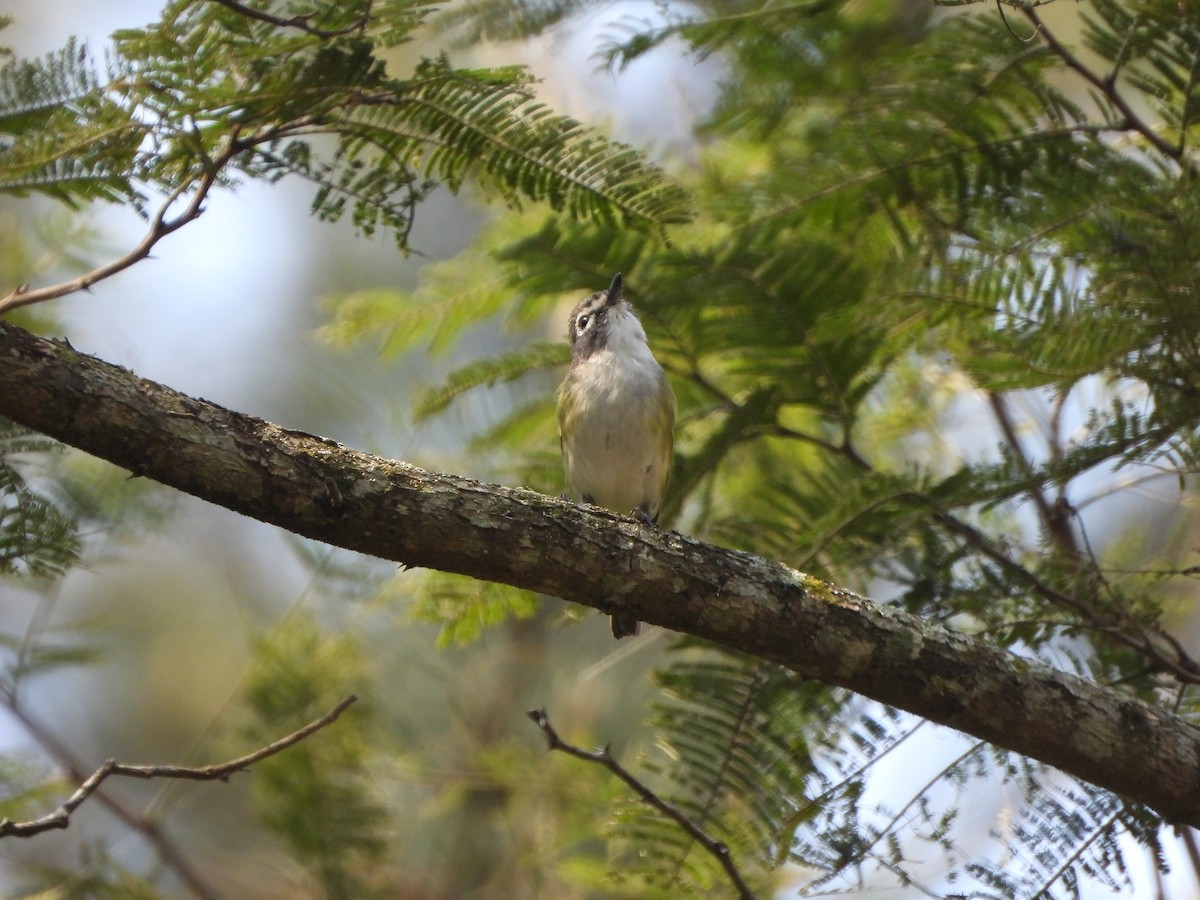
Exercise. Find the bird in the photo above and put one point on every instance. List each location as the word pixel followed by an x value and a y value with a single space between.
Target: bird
pixel 616 415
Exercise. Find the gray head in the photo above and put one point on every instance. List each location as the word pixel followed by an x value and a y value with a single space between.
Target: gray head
pixel 588 329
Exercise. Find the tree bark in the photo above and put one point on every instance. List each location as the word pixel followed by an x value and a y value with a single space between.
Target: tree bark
pixel 318 488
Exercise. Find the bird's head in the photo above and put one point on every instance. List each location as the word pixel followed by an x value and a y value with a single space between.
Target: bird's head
pixel 596 318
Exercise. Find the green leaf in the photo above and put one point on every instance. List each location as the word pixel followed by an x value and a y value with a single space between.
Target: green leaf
pixel 487 372
pixel 466 608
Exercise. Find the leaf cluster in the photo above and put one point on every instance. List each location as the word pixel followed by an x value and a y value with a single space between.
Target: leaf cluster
pixel 223 91
pixel 318 795
pixel 36 536
pixel 735 756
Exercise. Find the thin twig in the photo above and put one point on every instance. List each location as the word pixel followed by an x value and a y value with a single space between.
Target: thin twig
pixel 814 803
pixel 603 757
pixel 1182 667
pixel 906 879
pixel 1080 849
pixel 1056 525
pixel 300 22
pixel 864 850
pixel 60 818
pixel 160 227
pixel 1008 25
pixel 172 856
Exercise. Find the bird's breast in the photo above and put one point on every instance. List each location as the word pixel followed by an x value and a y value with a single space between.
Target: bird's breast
pixel 617 429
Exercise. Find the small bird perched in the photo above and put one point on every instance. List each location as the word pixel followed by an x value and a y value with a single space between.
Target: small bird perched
pixel 616 415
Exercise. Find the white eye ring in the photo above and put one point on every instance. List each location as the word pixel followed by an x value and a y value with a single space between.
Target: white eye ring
pixel 583 322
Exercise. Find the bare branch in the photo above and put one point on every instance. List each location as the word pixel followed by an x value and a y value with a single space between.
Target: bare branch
pixel 60 818
pixel 160 227
pixel 603 757
pixel 1056 526
pixel 173 857
pixel 1123 629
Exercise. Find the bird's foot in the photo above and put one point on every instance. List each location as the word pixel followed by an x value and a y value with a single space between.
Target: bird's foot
pixel 642 516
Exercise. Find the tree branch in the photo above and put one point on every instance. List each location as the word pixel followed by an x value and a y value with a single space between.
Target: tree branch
pixel 603 757
pixel 298 21
pixel 60 818
pixel 160 227
pixel 317 488
pixel 173 857
pixel 1108 87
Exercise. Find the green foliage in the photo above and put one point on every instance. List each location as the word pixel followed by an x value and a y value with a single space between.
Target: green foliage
pixel 1069 835
pixel 509 367
pixel 64 136
pixel 97 874
pixel 317 795
pixel 737 759
pixel 210 92
pixel 473 21
pixel 36 536
pixel 25 790
pixel 465 609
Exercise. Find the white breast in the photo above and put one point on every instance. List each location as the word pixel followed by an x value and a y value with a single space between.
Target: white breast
pixel 621 422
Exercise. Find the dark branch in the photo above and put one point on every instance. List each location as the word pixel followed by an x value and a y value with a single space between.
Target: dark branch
pixel 1147 640
pixel 1106 86
pixel 319 489
pixel 61 817
pixel 173 856
pixel 300 22
pixel 603 757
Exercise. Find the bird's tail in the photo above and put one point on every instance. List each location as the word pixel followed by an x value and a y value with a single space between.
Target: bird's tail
pixel 624 626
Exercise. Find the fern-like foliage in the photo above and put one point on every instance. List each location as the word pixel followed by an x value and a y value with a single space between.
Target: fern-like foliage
pixel 738 761
pixel 61 135
pixel 36 536
pixel 465 610
pixel 1071 834
pixel 488 372
pixel 316 798
pixel 473 21
pixel 212 91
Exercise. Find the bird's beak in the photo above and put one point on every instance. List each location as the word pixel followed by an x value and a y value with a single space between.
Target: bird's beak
pixel 614 291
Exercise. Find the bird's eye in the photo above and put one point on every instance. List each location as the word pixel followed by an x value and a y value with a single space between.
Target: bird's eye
pixel 583 322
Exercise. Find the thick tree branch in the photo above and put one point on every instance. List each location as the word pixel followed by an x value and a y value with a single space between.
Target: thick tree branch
pixel 317 488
